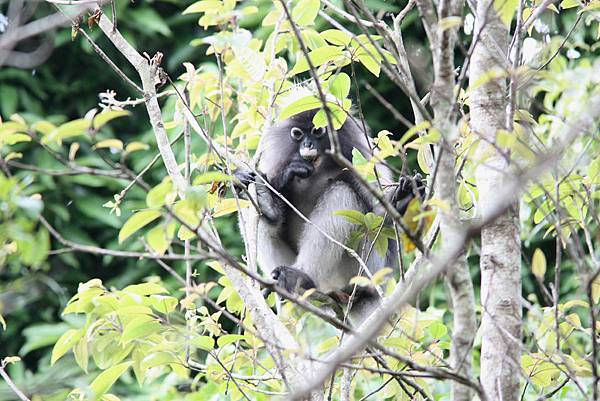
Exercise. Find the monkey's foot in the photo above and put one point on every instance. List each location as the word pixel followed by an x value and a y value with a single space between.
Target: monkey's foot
pixel 292 280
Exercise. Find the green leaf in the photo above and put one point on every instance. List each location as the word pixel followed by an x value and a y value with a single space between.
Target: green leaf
pixel 318 57
pixel 164 304
pixel 109 143
pixel 565 4
pixel 538 264
pixel 506 10
pixel 339 86
pixel 43 127
pixel 328 344
pixel 305 12
pixel 337 113
pixel 360 281
pixel 41 335
pixel 312 39
pixel 157 196
pixel 305 103
pixel 136 146
pixel 212 176
pixel 65 343
pixel 104 381
pixel 151 20
pixel 202 6
pixel 352 216
pixel 159 238
pixel 370 64
pixel 196 197
pixel 596 289
pixel 15 138
pixel 229 339
pixel 9 100
pixel 381 245
pixel 373 221
pixel 437 330
pixel 137 221
pixel 139 328
pixel 68 130
pixel 158 359
pixel 594 171
pixel 336 37
pixel 81 352
pixel 203 342
pixel 106 116
pixel 145 289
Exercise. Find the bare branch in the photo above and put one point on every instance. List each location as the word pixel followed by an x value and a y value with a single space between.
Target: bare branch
pixel 148 71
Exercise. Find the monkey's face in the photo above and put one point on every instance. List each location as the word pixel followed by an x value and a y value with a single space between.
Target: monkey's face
pixel 312 142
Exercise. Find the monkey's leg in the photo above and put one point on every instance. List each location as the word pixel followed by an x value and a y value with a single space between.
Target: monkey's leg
pixel 322 260
pixel 272 250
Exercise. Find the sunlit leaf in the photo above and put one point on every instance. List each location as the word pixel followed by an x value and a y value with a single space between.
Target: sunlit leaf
pixel 65 343
pixel 352 216
pixel 339 85
pixel 106 116
pixel 137 221
pixel 336 37
pixel 437 330
pixel 139 328
pixel 145 289
pixel 104 381
pixel 318 57
pixel 109 143
pixel 538 264
pixel 303 104
pixel 203 342
pixel 506 10
pixel 305 12
pixel 136 146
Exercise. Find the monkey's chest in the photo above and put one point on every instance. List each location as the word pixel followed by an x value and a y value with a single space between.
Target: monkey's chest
pixel 305 195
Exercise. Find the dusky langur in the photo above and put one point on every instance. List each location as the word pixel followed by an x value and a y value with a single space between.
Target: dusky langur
pixel 295 162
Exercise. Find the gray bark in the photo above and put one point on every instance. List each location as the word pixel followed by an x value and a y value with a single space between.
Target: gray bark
pixel 458 276
pixel 500 243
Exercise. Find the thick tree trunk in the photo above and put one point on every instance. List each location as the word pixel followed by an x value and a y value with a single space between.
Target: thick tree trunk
pixel 500 243
pixel 457 276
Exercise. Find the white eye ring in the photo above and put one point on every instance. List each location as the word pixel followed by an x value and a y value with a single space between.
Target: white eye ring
pixel 318 132
pixel 296 133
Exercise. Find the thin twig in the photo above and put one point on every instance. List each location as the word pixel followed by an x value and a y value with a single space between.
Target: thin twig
pixel 12 384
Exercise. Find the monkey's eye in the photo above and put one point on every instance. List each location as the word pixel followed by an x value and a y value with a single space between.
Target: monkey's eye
pixel 318 132
pixel 296 133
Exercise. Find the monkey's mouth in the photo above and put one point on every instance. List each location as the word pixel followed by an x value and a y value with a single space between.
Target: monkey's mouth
pixel 309 154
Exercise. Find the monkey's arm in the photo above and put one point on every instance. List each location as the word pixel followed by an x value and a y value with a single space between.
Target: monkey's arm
pixel 272 249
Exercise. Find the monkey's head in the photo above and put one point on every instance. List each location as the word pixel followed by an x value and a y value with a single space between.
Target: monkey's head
pixel 297 137
pixel 307 142
pixel 312 142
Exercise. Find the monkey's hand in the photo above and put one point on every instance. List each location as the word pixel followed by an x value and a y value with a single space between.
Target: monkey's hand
pixel 271 207
pixel 243 179
pixel 408 188
pixel 296 168
pixel 292 280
